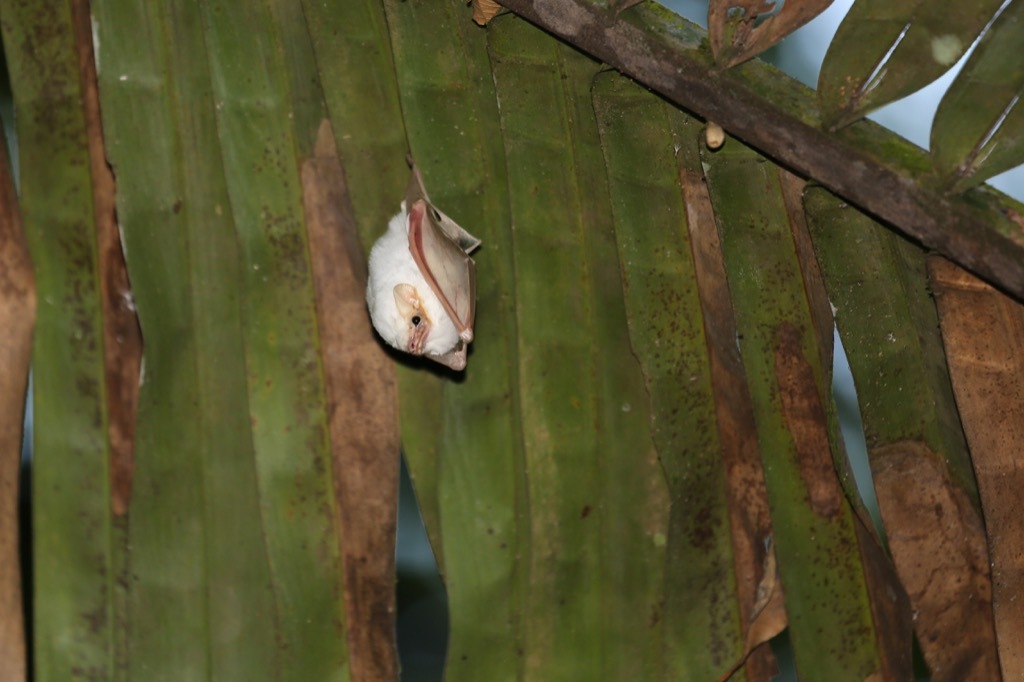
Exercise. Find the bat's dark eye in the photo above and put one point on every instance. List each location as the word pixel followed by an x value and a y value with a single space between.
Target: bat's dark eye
pixel 416 320
pixel 433 212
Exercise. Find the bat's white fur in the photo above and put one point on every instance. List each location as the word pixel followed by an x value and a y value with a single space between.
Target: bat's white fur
pixel 391 263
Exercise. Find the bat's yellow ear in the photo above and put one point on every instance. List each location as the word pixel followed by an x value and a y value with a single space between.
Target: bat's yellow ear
pixel 408 300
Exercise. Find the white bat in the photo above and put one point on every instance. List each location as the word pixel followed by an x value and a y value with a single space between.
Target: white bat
pixel 422 283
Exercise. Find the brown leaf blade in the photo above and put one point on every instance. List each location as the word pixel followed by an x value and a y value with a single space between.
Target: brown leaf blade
pixel 363 421
pixel 982 330
pixel 890 606
pixel 741 29
pixel 749 518
pixel 122 337
pixel 17 319
pixel 937 541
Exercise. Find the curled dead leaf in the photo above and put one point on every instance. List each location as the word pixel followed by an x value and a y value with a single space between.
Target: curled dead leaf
pixel 769 616
pixel 484 11
pixel 741 29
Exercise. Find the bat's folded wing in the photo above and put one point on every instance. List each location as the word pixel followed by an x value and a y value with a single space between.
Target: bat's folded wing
pixel 441 254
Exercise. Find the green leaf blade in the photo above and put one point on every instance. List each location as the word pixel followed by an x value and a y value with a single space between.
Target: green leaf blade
pixel 72 524
pixel 921 468
pixel 195 513
pixel 701 633
pixel 978 130
pixel 814 534
pixel 887 49
pixel 284 376
pixel 558 439
pixel 630 480
pixel 461 438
